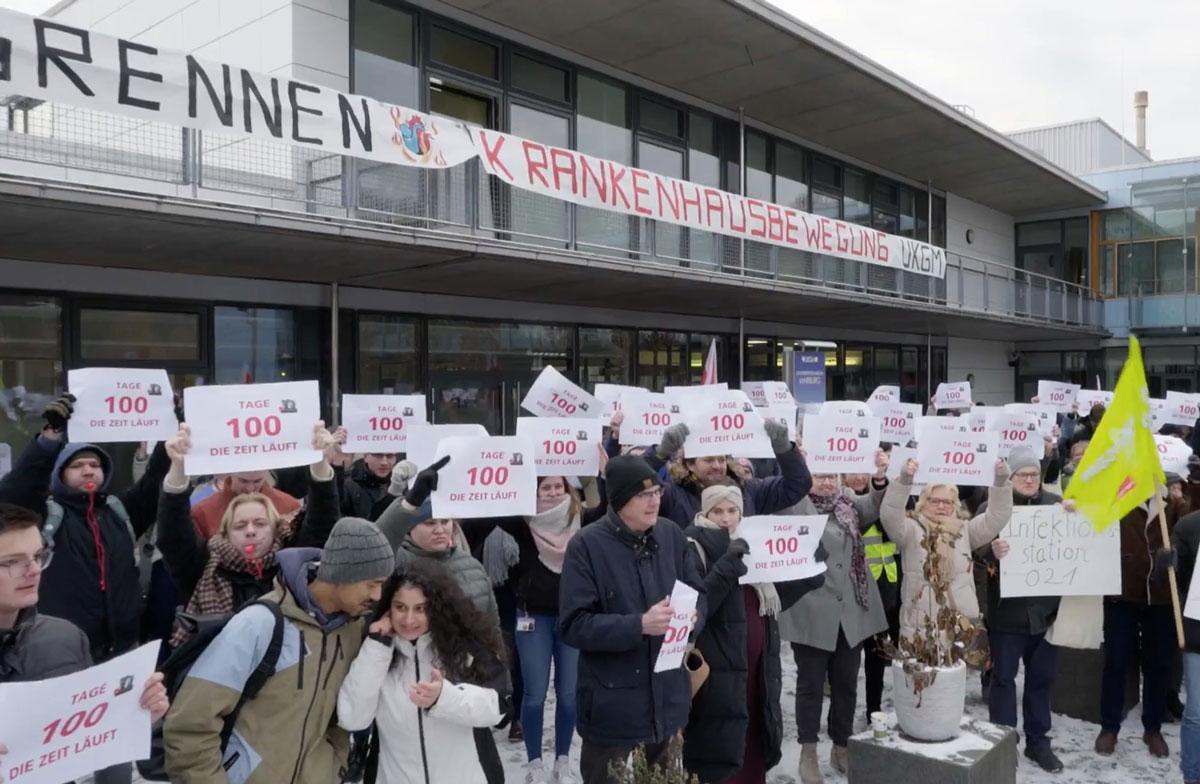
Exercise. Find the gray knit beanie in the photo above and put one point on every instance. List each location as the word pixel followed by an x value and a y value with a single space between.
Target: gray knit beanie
pixel 356 551
pixel 1023 457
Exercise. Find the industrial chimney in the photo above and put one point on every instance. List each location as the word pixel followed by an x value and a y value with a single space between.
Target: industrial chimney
pixel 1141 99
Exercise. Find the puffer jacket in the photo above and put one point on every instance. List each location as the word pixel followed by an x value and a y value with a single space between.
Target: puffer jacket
pixel 417 746
pixel 1141 537
pixel 40 647
pixel 908 533
pixel 364 494
pixel 287 733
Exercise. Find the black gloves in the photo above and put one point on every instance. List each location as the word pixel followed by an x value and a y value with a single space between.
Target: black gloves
pixel 58 412
pixel 737 548
pixel 424 483
pixel 1163 560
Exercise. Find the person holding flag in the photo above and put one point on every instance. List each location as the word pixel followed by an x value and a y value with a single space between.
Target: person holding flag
pixel 1121 479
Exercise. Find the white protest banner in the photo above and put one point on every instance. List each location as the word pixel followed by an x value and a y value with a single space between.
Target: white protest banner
pixel 1183 408
pixel 62 729
pixel 883 397
pixel 1058 553
pixel 251 427
pixel 845 408
pixel 486 477
pixel 977 418
pixel 1192 608
pixel 646 417
pixel 725 424
pixel 1174 454
pixel 782 547
pixel 610 396
pixel 1087 398
pixel 423 439
pixel 928 425
pixel 380 423
pixel 687 398
pixel 957 459
pixel 765 394
pixel 1059 394
pixel 563 448
pixel 675 643
pixel 1158 413
pixel 121 404
pixel 555 395
pixel 1046 415
pixel 840 445
pixel 952 395
pixel 5 458
pixel 784 414
pixel 1015 429
pixel 897 459
pixel 898 422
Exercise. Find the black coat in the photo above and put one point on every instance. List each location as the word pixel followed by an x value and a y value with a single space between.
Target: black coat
pixel 1186 540
pixel 364 494
pixel 101 596
pixel 1018 615
pixel 611 576
pixel 715 739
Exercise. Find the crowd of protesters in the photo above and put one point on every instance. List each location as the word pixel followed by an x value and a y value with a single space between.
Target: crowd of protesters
pixel 399 642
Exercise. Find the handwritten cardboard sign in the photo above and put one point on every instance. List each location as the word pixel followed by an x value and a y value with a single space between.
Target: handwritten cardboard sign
pixel 1058 553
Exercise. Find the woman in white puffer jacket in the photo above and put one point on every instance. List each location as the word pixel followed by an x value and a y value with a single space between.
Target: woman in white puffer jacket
pixel 431 672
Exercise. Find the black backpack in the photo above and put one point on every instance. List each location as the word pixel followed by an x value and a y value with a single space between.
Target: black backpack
pixel 175 669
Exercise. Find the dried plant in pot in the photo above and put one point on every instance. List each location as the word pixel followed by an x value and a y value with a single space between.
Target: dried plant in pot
pixel 669 769
pixel 929 668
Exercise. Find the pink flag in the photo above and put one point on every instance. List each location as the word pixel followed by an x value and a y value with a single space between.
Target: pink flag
pixel 709 376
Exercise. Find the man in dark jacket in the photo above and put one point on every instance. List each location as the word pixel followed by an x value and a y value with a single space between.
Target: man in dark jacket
pixel 681 498
pixel 613 606
pixel 372 483
pixel 1186 539
pixel 1017 629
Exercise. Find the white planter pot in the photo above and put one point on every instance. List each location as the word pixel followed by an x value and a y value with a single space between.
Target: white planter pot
pixel 936 713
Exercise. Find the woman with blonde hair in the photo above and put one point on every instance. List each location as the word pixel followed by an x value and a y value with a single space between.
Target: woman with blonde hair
pixel 237 564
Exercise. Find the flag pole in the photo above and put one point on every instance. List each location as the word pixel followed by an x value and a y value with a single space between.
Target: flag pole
pixel 1174 583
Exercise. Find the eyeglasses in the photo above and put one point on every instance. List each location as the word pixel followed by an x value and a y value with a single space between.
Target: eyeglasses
pixel 941 501
pixel 19 566
pixel 1027 476
pixel 646 495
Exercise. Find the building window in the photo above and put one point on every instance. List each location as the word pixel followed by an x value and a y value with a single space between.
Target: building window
pixel 384 54
pixel 541 79
pixel 857 205
pixel 602 130
pixel 388 356
pixel 456 50
pixel 138 336
pixel 659 118
pixel 662 359
pixel 254 345
pixel 760 363
pixel 700 344
pixel 604 356
pixel 30 364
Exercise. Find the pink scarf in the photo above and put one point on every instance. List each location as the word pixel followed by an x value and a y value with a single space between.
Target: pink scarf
pixel 552 530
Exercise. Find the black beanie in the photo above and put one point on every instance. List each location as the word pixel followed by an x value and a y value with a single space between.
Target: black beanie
pixel 625 477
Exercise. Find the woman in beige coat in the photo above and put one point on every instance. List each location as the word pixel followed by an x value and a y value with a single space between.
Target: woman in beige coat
pixel 939 511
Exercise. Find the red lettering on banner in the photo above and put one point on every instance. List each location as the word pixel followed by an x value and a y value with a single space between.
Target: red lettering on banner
pixel 826 234
pixel 683 189
pixel 868 244
pixel 597 177
pixel 668 197
pixel 558 167
pixel 759 220
pixel 775 222
pixel 615 175
pixel 857 239
pixel 639 190
pixel 535 168
pixel 843 244
pixel 714 203
pixel 740 207
pixel 790 228
pixel 491 155
pixel 883 249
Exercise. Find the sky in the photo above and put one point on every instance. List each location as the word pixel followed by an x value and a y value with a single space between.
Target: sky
pixel 1023 63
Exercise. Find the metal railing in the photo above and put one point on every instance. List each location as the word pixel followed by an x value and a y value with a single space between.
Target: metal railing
pixel 46 139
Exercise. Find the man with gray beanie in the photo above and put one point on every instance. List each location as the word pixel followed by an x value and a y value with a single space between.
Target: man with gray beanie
pixel 1017 628
pixel 287 732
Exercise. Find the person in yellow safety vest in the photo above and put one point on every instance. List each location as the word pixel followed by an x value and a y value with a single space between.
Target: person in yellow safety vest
pixel 882 561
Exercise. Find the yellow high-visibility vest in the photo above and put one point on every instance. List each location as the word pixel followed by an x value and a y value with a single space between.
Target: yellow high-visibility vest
pixel 881 555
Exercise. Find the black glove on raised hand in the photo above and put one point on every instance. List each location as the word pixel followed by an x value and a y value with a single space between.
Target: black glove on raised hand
pixel 738 548
pixel 1163 560
pixel 424 483
pixel 59 411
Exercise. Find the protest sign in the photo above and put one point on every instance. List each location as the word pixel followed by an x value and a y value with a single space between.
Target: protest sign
pixel 846 408
pixel 784 414
pixel 610 396
pixel 555 395
pixel 1058 394
pixel 782 547
pixel 563 448
pixel 1192 608
pixel 1183 408
pixel 646 417
pixel 1086 398
pixel 1046 415
pixel 1158 413
pixel 765 394
pixel 492 476
pixel 1174 454
pixel 423 439
pixel 675 643
pixel 952 395
pixel 928 425
pixel 897 458
pixel 1015 429
pixel 841 444
pixel 898 422
pixel 725 424
pixel 380 423
pixel 695 389
pixel 62 729
pixel 251 427
pixel 1058 553
pixel 977 418
pixel 883 397
pixel 957 459
pixel 121 404
pixel 5 458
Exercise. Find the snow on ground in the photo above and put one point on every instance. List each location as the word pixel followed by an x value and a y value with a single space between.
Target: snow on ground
pixel 1072 740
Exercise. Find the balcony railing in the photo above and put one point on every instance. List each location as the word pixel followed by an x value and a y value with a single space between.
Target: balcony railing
pixel 54 141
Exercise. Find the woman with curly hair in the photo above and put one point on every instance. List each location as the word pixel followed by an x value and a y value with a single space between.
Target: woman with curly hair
pixel 431 672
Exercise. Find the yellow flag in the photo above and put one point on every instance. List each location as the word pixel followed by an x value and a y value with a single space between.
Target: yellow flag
pixel 1120 468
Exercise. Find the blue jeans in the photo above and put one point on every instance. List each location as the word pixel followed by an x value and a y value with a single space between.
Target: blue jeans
pixel 1189 733
pixel 537 648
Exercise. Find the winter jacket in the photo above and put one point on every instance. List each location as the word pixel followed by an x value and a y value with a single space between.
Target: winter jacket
pixel 416 746
pixel 681 500
pixel 1018 615
pixel 1186 540
pixel 40 647
pixel 364 494
pixel 287 733
pixel 1141 536
pixel 28 481
pixel 816 619
pixel 186 552
pixel 715 738
pixel 208 513
pixel 94 580
pixel 611 576
pixel 908 533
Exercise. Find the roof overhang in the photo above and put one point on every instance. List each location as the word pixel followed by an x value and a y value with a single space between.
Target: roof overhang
pixel 787 75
